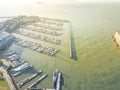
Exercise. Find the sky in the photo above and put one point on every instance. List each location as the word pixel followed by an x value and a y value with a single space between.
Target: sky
pixel 53 1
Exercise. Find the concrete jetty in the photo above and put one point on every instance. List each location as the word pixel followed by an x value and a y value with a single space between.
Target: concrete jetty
pixel 73 54
pixel 35 83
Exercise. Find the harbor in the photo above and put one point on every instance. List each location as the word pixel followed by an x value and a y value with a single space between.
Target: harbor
pixel 40 37
pixel 93 24
pixel 37 47
pixel 44 36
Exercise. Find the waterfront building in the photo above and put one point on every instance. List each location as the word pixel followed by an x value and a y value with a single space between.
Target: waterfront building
pixel 4 39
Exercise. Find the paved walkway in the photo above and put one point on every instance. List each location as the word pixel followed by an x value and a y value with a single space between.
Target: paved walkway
pixel 8 79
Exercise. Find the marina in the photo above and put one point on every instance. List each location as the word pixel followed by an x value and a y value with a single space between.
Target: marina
pixel 40 37
pixel 93 24
pixel 46 30
pixel 48 33
pixel 43 30
pixel 37 47
pixel 49 26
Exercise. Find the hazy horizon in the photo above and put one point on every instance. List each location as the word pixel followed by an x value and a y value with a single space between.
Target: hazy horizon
pixel 3 2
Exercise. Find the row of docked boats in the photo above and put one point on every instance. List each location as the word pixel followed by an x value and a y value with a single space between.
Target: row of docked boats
pixel 49 27
pixel 20 69
pixel 54 20
pixel 37 47
pixel 11 55
pixel 51 22
pixel 57 76
pixel 43 30
pixel 39 36
pixel 20 65
pixel 14 58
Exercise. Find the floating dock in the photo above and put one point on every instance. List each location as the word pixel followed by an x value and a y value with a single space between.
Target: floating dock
pixel 35 83
pixel 29 79
pixel 116 37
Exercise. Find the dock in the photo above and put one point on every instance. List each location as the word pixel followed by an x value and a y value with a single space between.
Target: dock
pixel 39 89
pixel 29 79
pixel 116 37
pixel 35 83
pixel 70 42
pixel 7 63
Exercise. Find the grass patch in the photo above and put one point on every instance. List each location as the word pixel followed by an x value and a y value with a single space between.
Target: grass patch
pixel 4 85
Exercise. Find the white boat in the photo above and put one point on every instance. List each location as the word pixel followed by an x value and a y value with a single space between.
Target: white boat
pixel 21 71
pixel 16 74
pixel 55 75
pixel 22 67
pixel 58 85
pixel 10 53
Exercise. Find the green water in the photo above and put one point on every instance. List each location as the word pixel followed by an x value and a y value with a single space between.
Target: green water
pixel 98 64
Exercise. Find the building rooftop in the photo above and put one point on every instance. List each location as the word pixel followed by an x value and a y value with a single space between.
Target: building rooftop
pixel 3 35
pixel 5 38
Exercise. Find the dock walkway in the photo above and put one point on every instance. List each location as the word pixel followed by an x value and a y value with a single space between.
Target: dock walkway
pixel 35 83
pixel 29 79
pixel 8 79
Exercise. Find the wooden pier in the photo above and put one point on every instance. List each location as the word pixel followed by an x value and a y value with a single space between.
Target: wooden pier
pixel 35 83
